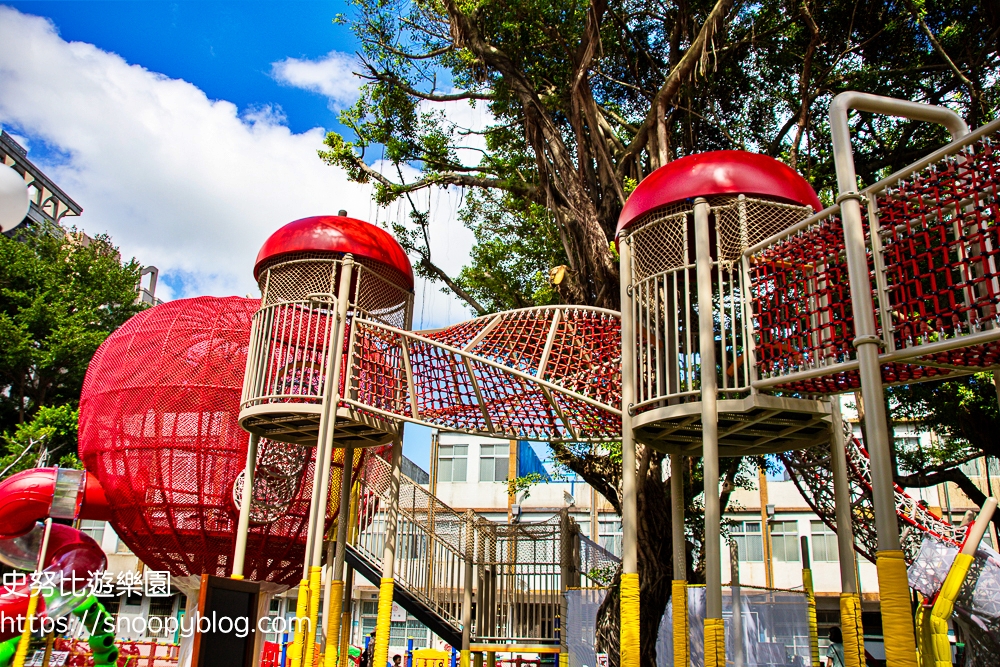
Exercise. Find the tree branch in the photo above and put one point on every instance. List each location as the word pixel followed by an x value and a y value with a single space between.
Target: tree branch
pixel 426 262
pixel 973 92
pixel 694 56
pixel 522 189
pixel 921 480
pixel 386 77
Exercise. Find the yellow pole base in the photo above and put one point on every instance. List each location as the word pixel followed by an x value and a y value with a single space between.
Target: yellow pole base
pixel 301 607
pixel 678 594
pixel 897 623
pixel 807 584
pixel 333 625
pixel 463 659
pixel 383 624
pixel 715 643
pixel 309 641
pixel 21 655
pixel 629 643
pixel 850 627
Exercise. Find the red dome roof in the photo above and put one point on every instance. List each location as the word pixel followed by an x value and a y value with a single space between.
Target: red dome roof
pixel 718 173
pixel 336 234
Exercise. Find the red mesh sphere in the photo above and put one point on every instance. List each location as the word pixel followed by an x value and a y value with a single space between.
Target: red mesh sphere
pixel 158 427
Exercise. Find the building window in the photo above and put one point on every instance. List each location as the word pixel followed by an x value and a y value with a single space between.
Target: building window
pixel 93 528
pixel 273 612
pixel 400 631
pixel 161 608
pixel 453 462
pixel 824 543
pixel 785 541
pixel 494 463
pixel 749 541
pixel 610 533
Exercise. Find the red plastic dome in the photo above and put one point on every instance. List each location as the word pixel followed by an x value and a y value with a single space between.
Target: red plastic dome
pixel 158 428
pixel 718 173
pixel 337 234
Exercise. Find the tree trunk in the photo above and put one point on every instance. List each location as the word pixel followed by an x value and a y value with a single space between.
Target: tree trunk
pixel 656 571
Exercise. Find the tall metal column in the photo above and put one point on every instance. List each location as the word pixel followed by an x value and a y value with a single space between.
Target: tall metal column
pixel 470 544
pixel 629 648
pixel 321 473
pixel 383 624
pixel 678 592
pixel 850 598
pixel 734 577
pixel 243 527
pixel 900 645
pixel 715 636
pixel 331 657
pixel 810 591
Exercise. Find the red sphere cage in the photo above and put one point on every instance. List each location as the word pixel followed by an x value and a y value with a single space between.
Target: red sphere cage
pixel 158 428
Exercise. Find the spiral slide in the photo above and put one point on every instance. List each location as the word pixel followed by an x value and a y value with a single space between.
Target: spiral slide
pixel 27 498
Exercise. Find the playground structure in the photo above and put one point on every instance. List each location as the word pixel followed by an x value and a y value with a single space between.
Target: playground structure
pixel 331 368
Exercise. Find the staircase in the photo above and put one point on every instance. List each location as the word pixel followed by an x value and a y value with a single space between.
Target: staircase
pixel 519 570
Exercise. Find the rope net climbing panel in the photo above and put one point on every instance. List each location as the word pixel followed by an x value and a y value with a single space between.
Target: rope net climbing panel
pixel 931 240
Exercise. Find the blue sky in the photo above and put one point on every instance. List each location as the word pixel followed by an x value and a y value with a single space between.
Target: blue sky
pixel 188 132
pixel 224 48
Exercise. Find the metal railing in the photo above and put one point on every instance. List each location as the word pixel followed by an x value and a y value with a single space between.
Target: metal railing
pixel 932 244
pixel 517 568
pixel 430 536
pixel 668 364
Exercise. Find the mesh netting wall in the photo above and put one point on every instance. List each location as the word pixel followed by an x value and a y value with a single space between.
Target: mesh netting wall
pixel 933 257
pixel 775 627
pixel 158 428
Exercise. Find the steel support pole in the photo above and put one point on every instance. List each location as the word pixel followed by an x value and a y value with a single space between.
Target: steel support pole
pixel 734 576
pixel 850 595
pixel 629 647
pixel 715 639
pixel 900 646
pixel 678 592
pixel 470 544
pixel 324 460
pixel 347 612
pixel 344 517
pixel 243 527
pixel 810 591
pixel 383 624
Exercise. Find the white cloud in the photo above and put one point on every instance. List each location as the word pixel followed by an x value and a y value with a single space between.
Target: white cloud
pixel 331 76
pixel 179 180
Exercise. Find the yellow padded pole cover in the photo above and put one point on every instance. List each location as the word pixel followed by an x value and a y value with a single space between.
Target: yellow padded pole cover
pixel 333 624
pixel 678 595
pixel 309 638
pixel 21 655
pixel 807 585
pixel 345 637
pixel 463 658
pixel 850 626
pixel 629 646
pixel 944 605
pixel 563 659
pixel 925 652
pixel 383 624
pixel 715 643
pixel 897 624
pixel 301 608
